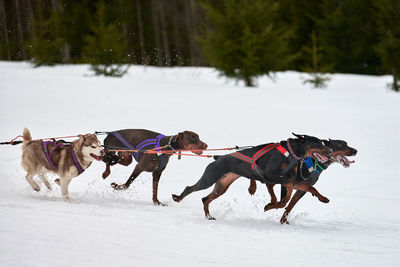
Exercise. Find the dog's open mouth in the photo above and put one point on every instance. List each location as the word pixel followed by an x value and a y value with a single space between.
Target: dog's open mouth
pixel 95 156
pixel 319 157
pixel 197 152
pixel 341 159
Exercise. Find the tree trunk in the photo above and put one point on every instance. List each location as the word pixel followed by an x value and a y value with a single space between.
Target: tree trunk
pixel 195 30
pixel 395 80
pixel 20 30
pixel 64 50
pixel 177 33
pixel 189 29
pixel 29 26
pixel 156 27
pixel 5 30
pixel 191 24
pixel 164 34
pixel 144 57
pixel 248 81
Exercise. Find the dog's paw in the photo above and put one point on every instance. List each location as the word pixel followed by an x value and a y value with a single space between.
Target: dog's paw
pixel 158 203
pixel 175 198
pixel 118 186
pixel 209 217
pixel 284 219
pixel 323 199
pixel 269 206
pixel 252 190
pixel 67 198
pixel 105 174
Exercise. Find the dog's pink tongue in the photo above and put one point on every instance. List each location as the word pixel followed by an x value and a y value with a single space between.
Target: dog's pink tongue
pixel 344 161
pixel 98 158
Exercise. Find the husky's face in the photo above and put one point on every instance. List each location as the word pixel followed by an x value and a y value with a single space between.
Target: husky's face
pixel 91 147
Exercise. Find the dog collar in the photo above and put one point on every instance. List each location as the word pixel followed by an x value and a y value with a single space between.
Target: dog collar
pixel 291 150
pixel 170 142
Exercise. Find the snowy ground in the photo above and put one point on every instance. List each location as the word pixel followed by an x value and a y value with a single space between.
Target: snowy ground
pixel 101 227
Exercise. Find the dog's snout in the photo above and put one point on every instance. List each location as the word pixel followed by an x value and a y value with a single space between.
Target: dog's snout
pixel 205 146
pixel 354 152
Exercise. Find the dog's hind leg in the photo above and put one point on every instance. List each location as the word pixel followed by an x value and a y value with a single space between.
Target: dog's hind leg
pixel 156 179
pixel 212 174
pixel 42 177
pixel 219 189
pixel 29 178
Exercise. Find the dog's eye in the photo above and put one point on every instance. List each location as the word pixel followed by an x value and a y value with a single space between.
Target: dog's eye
pixel 93 146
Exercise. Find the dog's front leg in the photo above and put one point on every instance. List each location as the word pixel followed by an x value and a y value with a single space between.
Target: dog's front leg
pixel 64 183
pixel 131 178
pixel 253 187
pixel 296 197
pixel 273 197
pixel 107 172
pixel 313 191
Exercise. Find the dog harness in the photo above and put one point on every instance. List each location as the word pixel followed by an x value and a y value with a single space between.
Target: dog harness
pixel 148 142
pixel 60 144
pixel 252 160
pixel 313 165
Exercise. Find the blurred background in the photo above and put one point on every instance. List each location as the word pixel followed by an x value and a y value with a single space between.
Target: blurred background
pixel 243 39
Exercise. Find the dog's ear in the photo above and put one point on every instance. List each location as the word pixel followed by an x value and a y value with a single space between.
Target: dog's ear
pixel 325 142
pixel 180 136
pixel 299 136
pixel 81 138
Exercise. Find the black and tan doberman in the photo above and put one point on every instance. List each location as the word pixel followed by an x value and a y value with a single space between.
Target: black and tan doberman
pixel 267 163
pixel 308 172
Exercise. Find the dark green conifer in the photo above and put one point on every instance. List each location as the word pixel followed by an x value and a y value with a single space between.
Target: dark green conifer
pixel 242 40
pixel 105 49
pixel 316 70
pixel 388 48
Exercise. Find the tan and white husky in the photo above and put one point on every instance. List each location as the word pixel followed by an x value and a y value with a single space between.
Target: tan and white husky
pixel 66 160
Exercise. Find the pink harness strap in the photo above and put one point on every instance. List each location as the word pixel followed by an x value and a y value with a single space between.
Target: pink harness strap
pixel 260 153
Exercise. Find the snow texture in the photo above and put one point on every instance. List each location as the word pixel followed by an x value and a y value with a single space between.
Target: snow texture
pixel 102 227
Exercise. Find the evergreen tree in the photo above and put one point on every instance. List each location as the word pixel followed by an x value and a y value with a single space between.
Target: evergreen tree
pixel 242 40
pixel 348 34
pixel 316 70
pixel 105 49
pixel 389 46
pixel 45 48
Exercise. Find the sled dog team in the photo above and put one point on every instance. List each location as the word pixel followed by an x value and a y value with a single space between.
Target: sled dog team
pixel 295 163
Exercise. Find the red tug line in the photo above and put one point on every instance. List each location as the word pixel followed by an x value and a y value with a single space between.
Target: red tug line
pixel 150 151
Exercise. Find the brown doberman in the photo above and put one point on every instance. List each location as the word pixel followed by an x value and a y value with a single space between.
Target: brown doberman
pixel 141 140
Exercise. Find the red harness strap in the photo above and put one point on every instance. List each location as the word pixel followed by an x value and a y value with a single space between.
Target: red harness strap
pixel 260 153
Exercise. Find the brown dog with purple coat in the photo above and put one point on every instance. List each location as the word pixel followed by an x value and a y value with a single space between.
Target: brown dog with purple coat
pixel 141 140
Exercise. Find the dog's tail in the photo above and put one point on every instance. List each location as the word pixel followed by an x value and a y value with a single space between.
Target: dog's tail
pixel 27 137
